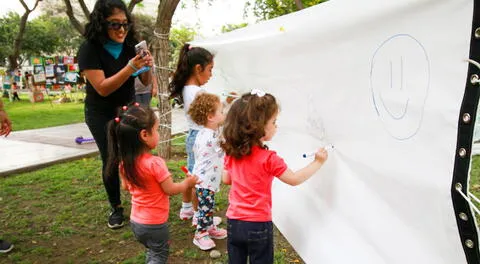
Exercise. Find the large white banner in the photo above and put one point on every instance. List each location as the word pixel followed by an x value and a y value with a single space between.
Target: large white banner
pixel 383 81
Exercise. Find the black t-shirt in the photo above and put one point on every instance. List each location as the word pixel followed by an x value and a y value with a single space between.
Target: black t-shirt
pixel 94 56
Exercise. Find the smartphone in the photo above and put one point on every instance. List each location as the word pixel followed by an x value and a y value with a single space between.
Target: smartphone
pixel 141 48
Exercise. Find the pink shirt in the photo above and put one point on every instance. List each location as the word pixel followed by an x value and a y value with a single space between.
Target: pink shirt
pixel 149 205
pixel 250 197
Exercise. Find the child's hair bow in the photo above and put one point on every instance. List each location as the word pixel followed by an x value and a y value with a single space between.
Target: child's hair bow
pixel 257 92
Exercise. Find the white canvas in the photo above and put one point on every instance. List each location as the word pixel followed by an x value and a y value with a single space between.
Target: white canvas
pixel 383 82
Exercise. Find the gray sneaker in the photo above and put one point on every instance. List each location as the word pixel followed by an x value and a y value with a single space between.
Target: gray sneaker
pixel 5 246
pixel 115 220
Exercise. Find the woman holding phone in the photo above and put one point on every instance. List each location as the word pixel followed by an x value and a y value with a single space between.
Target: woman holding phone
pixel 107 59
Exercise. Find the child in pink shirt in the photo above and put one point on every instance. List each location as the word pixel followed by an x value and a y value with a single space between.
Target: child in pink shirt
pixel 131 137
pixel 250 168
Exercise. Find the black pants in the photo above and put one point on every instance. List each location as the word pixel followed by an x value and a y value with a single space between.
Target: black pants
pixel 15 96
pixel 97 120
pixel 155 238
pixel 250 239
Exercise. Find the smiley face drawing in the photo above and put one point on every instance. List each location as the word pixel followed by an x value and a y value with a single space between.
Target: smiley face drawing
pixel 399 80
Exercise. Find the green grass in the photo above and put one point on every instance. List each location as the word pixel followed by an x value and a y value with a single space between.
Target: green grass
pixel 26 115
pixel 58 215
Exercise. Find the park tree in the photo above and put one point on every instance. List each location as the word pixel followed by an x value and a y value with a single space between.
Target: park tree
pixel 17 43
pixel 268 9
pixel 43 36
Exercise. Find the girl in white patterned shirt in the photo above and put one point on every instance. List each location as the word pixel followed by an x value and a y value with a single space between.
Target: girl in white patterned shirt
pixel 207 110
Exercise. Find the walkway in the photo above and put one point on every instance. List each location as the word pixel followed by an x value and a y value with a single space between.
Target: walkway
pixel 33 149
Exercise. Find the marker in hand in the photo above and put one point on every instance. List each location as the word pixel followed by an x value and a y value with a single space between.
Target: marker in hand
pixel 312 153
pixel 185 170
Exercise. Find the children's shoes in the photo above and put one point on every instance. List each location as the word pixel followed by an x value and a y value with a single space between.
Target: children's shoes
pixel 203 241
pixel 216 232
pixel 186 213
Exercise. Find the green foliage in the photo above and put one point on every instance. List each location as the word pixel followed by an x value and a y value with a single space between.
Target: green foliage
pixel 144 25
pixel 231 27
pixel 178 37
pixel 9 26
pixel 44 35
pixel 268 9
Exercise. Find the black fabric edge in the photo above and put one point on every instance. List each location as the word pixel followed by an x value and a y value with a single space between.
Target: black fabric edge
pixel 466 225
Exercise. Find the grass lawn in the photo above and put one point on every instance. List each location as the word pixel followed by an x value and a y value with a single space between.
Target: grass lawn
pixel 58 215
pixel 27 115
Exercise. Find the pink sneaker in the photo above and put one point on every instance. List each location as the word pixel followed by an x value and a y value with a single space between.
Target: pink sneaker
pixel 203 241
pixel 186 213
pixel 216 220
pixel 217 233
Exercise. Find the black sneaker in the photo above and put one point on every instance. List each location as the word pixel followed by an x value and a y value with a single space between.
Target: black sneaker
pixel 5 246
pixel 115 220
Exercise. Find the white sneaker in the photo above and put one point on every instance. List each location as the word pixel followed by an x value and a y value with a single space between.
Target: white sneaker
pixel 203 241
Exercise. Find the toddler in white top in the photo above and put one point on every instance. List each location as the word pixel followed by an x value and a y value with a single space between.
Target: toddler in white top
pixel 207 111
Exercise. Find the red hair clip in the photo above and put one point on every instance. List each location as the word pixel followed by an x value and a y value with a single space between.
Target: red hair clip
pixel 136 104
pixel 124 108
pixel 117 119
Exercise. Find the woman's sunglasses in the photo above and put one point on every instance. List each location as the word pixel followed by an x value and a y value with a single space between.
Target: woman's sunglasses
pixel 117 26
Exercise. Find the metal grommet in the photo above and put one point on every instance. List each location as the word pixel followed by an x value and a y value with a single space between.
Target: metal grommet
pixel 462 152
pixel 458 186
pixel 469 243
pixel 477 33
pixel 466 118
pixel 463 216
pixel 474 79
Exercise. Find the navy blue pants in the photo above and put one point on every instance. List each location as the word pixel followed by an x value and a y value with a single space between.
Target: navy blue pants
pixel 250 239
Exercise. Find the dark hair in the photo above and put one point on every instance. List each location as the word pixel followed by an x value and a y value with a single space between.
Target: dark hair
pixel 188 58
pixel 124 142
pixel 245 123
pixel 96 30
pixel 203 105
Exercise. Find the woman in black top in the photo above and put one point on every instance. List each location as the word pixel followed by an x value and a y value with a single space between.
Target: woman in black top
pixel 107 59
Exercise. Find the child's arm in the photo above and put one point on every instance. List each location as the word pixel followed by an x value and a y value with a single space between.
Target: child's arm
pixel 226 178
pixel 295 178
pixel 172 188
pixel 122 179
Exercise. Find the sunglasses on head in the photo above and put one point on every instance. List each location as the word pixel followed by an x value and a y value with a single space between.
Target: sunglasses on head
pixel 117 26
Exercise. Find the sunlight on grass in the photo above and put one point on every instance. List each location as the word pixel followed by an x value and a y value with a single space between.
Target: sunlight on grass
pixel 27 115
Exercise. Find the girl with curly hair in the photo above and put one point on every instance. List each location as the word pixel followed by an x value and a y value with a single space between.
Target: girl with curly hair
pixel 250 168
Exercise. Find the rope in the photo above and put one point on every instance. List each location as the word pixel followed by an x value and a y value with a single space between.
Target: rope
pixel 181 136
pixel 474 198
pixel 160 35
pixel 459 190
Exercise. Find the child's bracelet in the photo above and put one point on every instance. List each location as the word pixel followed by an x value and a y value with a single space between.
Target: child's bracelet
pixel 132 66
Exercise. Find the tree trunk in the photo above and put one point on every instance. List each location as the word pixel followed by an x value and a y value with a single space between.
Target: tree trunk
pixel 160 46
pixel 17 44
pixel 299 4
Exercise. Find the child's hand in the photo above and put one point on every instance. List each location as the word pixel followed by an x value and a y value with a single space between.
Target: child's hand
pixel 321 155
pixel 192 180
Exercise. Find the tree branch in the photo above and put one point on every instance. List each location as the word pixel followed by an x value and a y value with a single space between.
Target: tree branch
pixel 299 4
pixel 75 23
pixel 132 4
pixel 85 10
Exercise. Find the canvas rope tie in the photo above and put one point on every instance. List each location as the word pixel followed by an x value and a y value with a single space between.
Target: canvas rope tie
pixel 174 138
pixel 160 35
pixel 159 68
pixel 458 188
pixel 474 79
